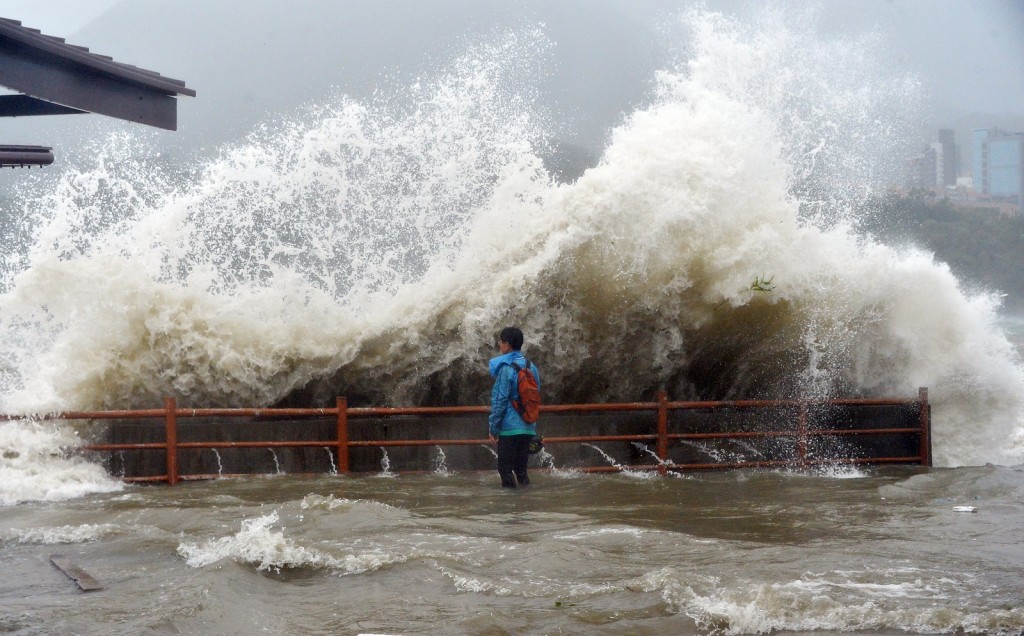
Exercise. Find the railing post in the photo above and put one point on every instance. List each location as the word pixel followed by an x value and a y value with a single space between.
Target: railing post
pixel 801 430
pixel 924 420
pixel 343 435
pixel 662 431
pixel 171 423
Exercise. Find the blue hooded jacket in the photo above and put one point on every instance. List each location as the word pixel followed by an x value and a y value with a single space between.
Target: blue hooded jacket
pixel 504 418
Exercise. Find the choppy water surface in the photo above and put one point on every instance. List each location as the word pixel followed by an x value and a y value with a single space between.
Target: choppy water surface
pixel 878 551
pixel 373 249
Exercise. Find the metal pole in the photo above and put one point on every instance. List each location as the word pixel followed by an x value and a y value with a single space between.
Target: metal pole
pixel 801 427
pixel 343 435
pixel 925 422
pixel 171 423
pixel 662 431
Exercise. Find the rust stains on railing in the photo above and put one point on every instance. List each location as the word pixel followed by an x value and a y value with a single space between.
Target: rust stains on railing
pixel 801 433
pixel 343 443
pixel 924 423
pixel 171 422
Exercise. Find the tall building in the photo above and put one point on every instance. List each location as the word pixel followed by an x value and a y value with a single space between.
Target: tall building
pixel 938 161
pixel 947 164
pixel 936 167
pixel 920 169
pixel 998 163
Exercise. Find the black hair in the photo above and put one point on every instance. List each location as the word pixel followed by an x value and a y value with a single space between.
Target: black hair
pixel 513 336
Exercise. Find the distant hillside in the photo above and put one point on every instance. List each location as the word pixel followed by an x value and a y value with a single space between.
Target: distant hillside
pixel 984 248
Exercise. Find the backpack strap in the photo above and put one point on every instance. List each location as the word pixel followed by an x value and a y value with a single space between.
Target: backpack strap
pixel 519 368
pixel 517 404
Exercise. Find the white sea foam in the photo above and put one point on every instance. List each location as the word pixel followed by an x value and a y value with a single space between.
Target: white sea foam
pixel 634 533
pixel 34 465
pixel 530 586
pixel 260 544
pixel 373 248
pixel 834 471
pixel 471 584
pixel 844 472
pixel 330 502
pixel 62 534
pixel 264 543
pixel 815 604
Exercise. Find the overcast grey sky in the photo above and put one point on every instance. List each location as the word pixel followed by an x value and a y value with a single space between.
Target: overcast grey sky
pixel 971 53
pixel 968 54
pixel 54 17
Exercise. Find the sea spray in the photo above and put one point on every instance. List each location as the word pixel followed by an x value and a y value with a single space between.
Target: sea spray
pixel 667 463
pixel 547 460
pixel 35 467
pixel 262 542
pixel 625 470
pixel 441 463
pixel 330 456
pixel 372 249
pixel 385 465
pixel 279 261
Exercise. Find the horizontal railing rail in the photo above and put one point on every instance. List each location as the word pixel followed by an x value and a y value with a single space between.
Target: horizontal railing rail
pixel 341 413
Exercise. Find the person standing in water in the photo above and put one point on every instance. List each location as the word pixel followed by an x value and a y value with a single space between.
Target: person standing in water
pixel 506 426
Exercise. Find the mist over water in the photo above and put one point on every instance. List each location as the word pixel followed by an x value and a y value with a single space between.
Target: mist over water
pixel 374 249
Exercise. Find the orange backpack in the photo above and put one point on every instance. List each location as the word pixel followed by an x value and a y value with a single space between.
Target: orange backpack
pixel 528 405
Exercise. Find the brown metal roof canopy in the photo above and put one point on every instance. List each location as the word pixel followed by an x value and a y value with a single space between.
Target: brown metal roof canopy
pixel 57 78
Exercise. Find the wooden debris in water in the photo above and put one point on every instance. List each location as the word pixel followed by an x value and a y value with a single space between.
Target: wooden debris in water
pixel 75 573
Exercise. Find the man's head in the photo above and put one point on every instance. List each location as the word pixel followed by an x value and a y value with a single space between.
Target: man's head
pixel 513 337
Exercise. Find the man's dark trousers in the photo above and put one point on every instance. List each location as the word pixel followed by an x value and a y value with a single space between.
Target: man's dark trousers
pixel 513 455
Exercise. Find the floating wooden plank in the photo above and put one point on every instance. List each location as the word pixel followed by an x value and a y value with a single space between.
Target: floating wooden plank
pixel 75 573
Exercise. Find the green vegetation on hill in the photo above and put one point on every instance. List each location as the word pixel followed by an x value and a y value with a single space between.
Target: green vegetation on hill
pixel 982 247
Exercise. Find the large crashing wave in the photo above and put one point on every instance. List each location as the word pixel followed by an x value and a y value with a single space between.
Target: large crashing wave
pixel 374 249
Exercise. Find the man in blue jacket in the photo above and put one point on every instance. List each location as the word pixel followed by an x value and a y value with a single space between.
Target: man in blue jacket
pixel 506 426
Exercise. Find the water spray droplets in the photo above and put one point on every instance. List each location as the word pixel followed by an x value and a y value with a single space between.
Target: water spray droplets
pixel 220 464
pixel 334 466
pixel 441 463
pixel 385 465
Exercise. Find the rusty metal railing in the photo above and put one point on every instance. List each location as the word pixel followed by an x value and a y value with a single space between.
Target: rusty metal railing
pixel 661 435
